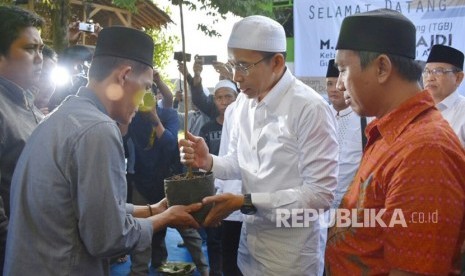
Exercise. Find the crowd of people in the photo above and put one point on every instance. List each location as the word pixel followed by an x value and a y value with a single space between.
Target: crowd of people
pixel 82 166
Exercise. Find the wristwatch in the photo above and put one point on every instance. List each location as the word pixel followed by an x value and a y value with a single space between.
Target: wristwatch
pixel 248 208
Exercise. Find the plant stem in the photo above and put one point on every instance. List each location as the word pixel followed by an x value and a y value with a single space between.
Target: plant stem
pixel 186 102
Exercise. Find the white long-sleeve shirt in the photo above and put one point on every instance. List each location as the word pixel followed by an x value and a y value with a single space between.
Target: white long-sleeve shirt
pixel 349 137
pixel 453 110
pixel 285 150
pixel 233 186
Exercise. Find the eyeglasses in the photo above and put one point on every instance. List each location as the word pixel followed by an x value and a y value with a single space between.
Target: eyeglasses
pixel 437 72
pixel 243 69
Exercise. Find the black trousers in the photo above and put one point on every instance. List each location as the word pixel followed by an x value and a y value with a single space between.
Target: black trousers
pixel 230 243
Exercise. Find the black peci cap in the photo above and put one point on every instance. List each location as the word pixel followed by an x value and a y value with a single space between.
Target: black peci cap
pixel 382 31
pixel 123 42
pixel 332 71
pixel 446 54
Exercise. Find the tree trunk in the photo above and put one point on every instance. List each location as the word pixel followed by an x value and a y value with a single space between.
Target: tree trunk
pixel 60 16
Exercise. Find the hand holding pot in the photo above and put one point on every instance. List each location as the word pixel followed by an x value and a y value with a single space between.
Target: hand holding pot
pixel 177 216
pixel 194 152
pixel 224 205
pixel 159 207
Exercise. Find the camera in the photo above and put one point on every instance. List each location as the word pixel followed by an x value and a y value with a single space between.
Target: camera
pixel 178 56
pixel 87 27
pixel 207 59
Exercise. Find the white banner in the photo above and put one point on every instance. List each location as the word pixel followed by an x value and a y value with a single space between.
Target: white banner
pixel 317 24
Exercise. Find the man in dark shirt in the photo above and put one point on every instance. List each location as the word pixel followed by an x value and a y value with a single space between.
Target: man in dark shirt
pixel 225 93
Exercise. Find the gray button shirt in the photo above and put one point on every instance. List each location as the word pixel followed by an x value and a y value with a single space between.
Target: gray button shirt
pixel 68 210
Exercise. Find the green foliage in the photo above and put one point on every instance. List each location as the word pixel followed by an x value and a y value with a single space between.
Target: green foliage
pixel 164 48
pixel 216 9
pixel 241 8
pixel 129 5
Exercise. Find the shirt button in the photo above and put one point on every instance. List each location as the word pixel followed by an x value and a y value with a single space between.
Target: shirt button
pixel 253 147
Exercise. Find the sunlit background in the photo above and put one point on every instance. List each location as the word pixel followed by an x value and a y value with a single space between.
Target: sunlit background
pixel 198 43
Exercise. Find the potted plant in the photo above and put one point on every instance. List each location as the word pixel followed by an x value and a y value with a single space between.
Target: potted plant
pixel 190 187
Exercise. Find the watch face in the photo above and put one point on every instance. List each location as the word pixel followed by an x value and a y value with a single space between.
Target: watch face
pixel 248 209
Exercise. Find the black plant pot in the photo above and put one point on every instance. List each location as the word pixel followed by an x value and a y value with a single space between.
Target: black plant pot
pixel 180 190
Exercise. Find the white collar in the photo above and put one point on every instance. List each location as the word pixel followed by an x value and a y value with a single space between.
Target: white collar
pixel 273 98
pixel 449 101
pixel 344 112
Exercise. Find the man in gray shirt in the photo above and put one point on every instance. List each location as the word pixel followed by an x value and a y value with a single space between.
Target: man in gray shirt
pixel 20 67
pixel 68 210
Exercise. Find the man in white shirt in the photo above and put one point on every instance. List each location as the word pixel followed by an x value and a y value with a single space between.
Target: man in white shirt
pixel 350 128
pixel 442 76
pixel 283 146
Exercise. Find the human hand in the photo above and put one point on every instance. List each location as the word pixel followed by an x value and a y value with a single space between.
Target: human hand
pixel 198 66
pixel 97 29
pixel 224 69
pixel 156 77
pixel 223 206
pixel 178 96
pixel 194 152
pixel 73 32
pixel 182 68
pixel 179 216
pixel 160 206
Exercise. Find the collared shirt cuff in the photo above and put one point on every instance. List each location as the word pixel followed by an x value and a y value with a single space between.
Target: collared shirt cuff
pixel 261 200
pixel 216 162
pixel 129 208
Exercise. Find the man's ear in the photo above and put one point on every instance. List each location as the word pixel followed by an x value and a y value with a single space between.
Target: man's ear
pixel 123 74
pixel 383 67
pixel 278 61
pixel 460 76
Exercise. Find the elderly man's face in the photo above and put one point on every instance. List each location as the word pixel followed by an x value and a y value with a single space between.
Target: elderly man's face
pixel 256 74
pixel 441 79
pixel 357 84
pixel 23 63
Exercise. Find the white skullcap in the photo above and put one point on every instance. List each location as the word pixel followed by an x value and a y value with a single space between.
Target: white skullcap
pixel 258 33
pixel 225 83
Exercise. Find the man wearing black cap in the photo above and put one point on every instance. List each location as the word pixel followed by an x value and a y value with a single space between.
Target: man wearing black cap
pixel 68 210
pixel 407 198
pixel 442 76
